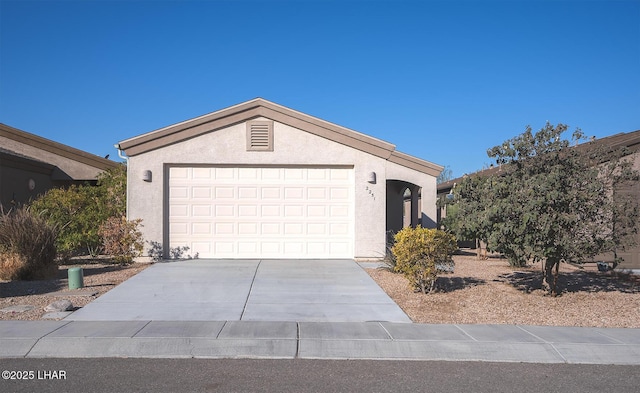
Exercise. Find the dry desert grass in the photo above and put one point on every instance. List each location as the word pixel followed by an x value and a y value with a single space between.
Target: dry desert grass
pixel 491 292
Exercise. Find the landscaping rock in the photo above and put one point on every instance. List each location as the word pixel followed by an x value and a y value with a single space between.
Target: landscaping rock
pixel 59 306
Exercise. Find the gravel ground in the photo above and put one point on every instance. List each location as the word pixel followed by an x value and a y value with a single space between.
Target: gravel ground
pixel 491 292
pixel 479 291
pixel 99 277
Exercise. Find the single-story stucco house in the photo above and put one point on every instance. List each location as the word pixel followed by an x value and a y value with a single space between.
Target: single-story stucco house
pixel 31 165
pixel 259 180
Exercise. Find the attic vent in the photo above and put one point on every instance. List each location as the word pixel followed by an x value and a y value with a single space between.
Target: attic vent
pixel 259 135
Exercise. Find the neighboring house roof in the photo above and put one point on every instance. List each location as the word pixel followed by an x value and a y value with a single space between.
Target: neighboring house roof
pixel 262 108
pixel 630 140
pixel 12 159
pixel 74 163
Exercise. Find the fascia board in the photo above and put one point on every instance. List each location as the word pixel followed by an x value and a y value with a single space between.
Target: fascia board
pixel 416 163
pixel 249 110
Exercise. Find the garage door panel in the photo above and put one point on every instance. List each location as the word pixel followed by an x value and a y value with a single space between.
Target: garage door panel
pixel 223 248
pixel 248 174
pixel 247 211
pixel 224 210
pixel 317 229
pixel 294 193
pixel 316 211
pixel 200 248
pixel 204 228
pixel 179 211
pixel 225 193
pixel 247 228
pixel 270 211
pixel 296 228
pixel 262 212
pixel 177 173
pixel 201 173
pixel 271 173
pixel 223 228
pixel 223 173
pixel 248 248
pixel 317 174
pixel 294 247
pixel 179 228
pixel 270 228
pixel 270 248
pixel 179 192
pixel 201 192
pixel 294 211
pixel 294 174
pixel 202 211
pixel 315 193
pixel 247 192
pixel 270 192
pixel 338 174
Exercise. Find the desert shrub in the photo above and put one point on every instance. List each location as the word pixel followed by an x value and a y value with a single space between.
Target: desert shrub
pixel 112 190
pixel 76 210
pixel 79 211
pixel 122 239
pixel 420 252
pixel 27 246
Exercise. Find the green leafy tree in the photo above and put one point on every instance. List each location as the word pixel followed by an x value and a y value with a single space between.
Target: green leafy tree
pixel 552 200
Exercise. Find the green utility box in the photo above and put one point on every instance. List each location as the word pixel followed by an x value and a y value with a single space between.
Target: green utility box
pixel 75 278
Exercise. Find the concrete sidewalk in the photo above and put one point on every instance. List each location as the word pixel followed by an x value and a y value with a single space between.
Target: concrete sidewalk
pixel 318 340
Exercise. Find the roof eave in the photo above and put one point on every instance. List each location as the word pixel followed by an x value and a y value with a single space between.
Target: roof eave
pixel 56 148
pixel 254 108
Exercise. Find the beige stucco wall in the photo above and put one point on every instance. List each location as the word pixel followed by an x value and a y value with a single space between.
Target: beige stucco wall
pixel 291 147
pixel 67 168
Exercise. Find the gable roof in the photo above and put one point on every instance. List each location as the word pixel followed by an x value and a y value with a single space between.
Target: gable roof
pixel 259 107
pixel 40 143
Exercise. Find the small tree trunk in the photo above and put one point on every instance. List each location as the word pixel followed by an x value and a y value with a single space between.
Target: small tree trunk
pixel 550 275
pixel 423 286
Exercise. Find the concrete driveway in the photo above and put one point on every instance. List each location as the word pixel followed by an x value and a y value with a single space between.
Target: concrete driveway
pixel 247 290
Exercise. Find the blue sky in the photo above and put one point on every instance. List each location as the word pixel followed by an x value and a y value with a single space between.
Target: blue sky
pixel 442 80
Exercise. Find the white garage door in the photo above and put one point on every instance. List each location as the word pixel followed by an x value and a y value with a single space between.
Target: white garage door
pixel 262 212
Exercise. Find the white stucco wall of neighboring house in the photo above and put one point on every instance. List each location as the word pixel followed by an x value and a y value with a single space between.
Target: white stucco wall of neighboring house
pixel 292 147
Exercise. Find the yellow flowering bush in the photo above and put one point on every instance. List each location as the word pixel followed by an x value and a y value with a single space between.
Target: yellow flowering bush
pixel 421 254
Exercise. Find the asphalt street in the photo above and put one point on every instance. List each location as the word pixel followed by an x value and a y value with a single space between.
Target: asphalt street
pixel 224 375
